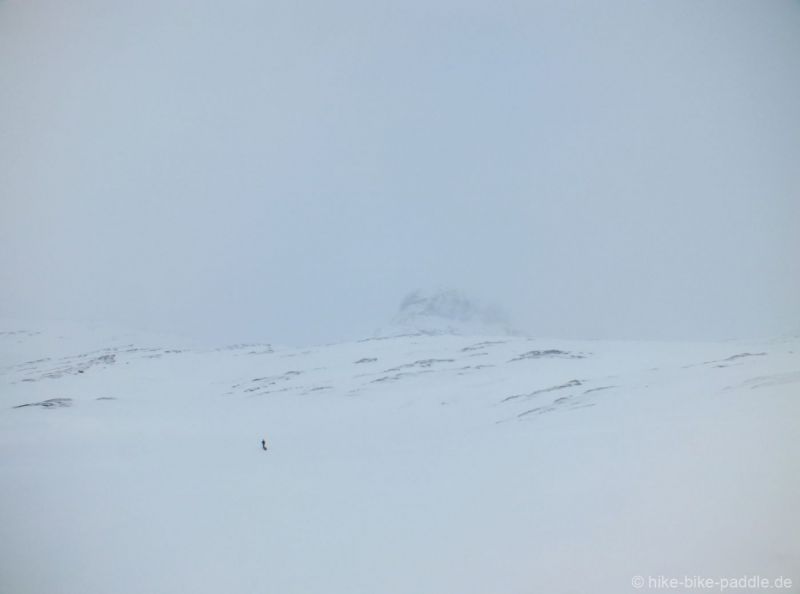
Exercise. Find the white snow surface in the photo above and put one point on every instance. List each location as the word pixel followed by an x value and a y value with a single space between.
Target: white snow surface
pixel 417 464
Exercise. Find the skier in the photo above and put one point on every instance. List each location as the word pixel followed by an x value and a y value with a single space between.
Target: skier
pixel 264 444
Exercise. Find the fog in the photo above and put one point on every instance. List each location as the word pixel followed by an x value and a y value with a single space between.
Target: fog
pixel 287 171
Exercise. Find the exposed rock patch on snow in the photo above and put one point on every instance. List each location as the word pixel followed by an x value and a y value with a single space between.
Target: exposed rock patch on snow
pixel 49 403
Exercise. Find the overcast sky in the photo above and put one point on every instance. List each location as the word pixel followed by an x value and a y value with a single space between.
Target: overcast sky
pixel 286 170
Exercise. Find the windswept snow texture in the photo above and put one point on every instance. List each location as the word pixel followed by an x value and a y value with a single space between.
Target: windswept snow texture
pixel 417 465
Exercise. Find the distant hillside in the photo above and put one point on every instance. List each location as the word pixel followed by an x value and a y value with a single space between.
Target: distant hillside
pixel 447 311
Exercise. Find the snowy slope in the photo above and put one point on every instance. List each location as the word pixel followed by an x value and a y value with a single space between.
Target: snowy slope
pixel 415 464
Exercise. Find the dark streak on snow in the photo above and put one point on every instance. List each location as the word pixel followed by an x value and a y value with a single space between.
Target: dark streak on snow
pixel 570 384
pixel 51 403
pixel 549 353
pixel 425 363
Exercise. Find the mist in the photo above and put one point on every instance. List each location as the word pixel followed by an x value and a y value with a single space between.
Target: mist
pixel 288 171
